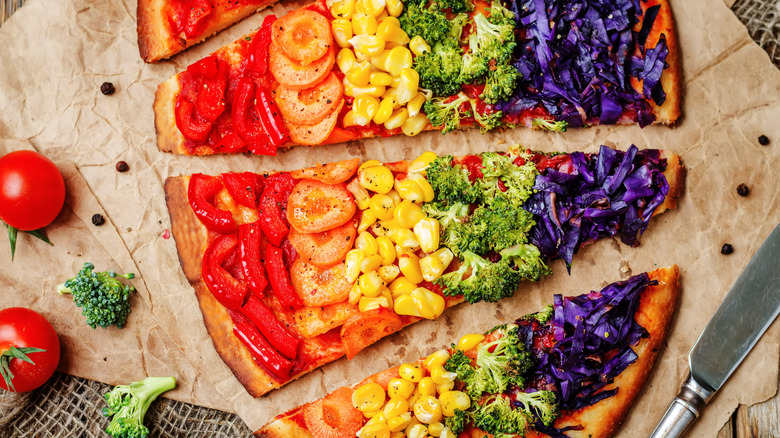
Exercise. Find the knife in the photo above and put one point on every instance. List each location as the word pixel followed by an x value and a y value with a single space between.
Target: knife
pixel 744 315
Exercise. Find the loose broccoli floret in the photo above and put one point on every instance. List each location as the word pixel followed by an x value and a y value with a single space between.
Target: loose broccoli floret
pixel 127 404
pixel 500 363
pixel 447 111
pixel 497 417
pixel 457 6
pixel 439 69
pixel 487 281
pixel 550 125
pixel 539 404
pixel 528 260
pixel 450 183
pixel 430 23
pixel 457 423
pixel 103 299
pixel 500 84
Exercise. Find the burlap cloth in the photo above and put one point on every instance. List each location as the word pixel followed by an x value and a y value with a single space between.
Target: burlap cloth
pixel 71 406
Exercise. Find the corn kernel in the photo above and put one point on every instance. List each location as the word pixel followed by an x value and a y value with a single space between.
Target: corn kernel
pixel 375 417
pixel 365 107
pixel 379 229
pixel 378 179
pixel 441 376
pixel 387 295
pixel 363 24
pixel 410 80
pixel 391 225
pixel 342 9
pixel 380 78
pixel 420 164
pixel 383 206
pixel 354 295
pixel 388 273
pixel 376 430
pixel 396 197
pixel 408 214
pixel 429 305
pixel 467 342
pixel 400 388
pixel 434 265
pixel 427 232
pixel 451 400
pixel 435 429
pixel 366 243
pixel 397 119
pixel 427 409
pixel 414 125
pixel 370 7
pixel 394 7
pixel 386 250
pixel 418 46
pixel 385 110
pixel 426 187
pixel 400 434
pixel 369 163
pixel 352 264
pixel 395 407
pixel 444 387
pixel 342 31
pixel 409 189
pixel 426 387
pixel 378 61
pixel 369 45
pixel 417 431
pixel 399 423
pixel 371 284
pixel 345 59
pixel 370 263
pixel 366 303
pixel 415 105
pixel 439 358
pixel 445 433
pixel 405 305
pixel 427 93
pixel 401 286
pixel 398 63
pixel 359 74
pixel 412 400
pixel 376 91
pixel 368 398
pixel 382 15
pixel 366 220
pixel 390 30
pixel 411 372
pixel 410 267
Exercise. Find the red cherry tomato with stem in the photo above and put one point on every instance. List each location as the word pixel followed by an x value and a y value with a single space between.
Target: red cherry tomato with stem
pixel 29 349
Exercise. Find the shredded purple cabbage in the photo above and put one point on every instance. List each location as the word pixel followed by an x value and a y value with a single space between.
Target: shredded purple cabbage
pixel 576 60
pixel 609 193
pixel 593 337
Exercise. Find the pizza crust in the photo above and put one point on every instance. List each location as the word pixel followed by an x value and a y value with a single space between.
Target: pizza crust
pixel 156 40
pixel 671 78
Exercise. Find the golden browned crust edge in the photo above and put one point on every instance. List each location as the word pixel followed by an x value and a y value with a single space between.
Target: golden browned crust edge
pixel 675 176
pixel 169 138
pixel 155 40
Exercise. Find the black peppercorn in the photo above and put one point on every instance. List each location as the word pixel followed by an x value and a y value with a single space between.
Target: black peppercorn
pixel 98 219
pixel 743 190
pixel 726 249
pixel 107 88
pixel 763 140
pixel 122 167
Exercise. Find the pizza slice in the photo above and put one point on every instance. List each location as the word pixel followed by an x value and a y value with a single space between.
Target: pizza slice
pixel 293 270
pixel 352 69
pixel 573 369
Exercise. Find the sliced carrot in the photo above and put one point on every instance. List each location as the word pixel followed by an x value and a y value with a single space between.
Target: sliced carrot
pixel 333 416
pixel 318 286
pixel 382 378
pixel 327 248
pixel 331 173
pixel 314 206
pixel 312 105
pixel 313 135
pixel 303 35
pixel 365 328
pixel 398 166
pixel 314 321
pixel 296 75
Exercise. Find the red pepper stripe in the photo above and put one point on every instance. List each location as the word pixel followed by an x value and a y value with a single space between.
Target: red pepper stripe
pixel 262 352
pixel 273 330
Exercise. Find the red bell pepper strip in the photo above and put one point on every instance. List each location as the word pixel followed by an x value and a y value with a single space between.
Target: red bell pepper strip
pixel 279 276
pixel 262 352
pixel 211 76
pixel 273 207
pixel 201 189
pixel 271 118
pixel 230 143
pixel 245 187
pixel 290 254
pixel 230 292
pixel 192 128
pixel 273 329
pixel 258 51
pixel 246 120
pixel 251 265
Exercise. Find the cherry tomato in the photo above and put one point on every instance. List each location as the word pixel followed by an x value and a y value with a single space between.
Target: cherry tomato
pixel 24 329
pixel 32 190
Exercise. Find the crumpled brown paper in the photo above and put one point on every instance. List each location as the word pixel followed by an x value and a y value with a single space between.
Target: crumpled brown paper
pixel 57 53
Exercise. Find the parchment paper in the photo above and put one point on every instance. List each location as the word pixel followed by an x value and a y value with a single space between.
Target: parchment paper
pixel 56 53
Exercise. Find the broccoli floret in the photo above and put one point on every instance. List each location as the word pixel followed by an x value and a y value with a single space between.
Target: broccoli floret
pixel 459 364
pixel 539 404
pixel 498 14
pixel 528 261
pixel 450 183
pixel 474 67
pixel 487 281
pixel 498 418
pixel 430 23
pixel 517 180
pixel 457 6
pixel 550 125
pixel 488 121
pixel 127 404
pixel 103 299
pixel 456 423
pixel 543 315
pixel 447 111
pixel 494 38
pixel 448 218
pixel 500 84
pixel 439 69
pixel 456 26
pixel 500 363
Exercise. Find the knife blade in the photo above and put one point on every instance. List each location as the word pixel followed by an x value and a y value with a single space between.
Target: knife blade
pixel 751 305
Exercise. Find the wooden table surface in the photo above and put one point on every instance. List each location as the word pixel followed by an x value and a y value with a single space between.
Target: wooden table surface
pixel 758 421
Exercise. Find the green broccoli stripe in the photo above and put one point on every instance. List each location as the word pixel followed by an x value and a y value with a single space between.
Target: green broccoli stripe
pixel 104 300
